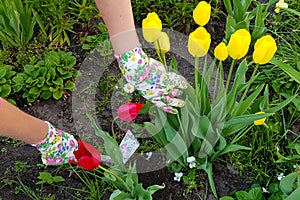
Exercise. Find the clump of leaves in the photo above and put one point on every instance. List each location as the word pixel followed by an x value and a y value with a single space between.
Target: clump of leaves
pixel 51 77
pixel 6 73
pixel 46 177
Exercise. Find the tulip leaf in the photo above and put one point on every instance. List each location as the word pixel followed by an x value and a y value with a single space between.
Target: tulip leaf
pixel 245 119
pixel 294 74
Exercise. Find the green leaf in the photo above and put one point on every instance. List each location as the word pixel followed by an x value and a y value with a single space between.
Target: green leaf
pixel 5 90
pixel 281 105
pixel 233 148
pixel 295 75
pixel 58 81
pixel 295 195
pixel 2 73
pixel 226 198
pixel 69 85
pixel 57 94
pixel 287 183
pixel 245 119
pixel 243 195
pixel 46 94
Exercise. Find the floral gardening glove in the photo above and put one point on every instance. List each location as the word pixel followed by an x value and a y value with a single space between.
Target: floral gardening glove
pixel 152 81
pixel 60 147
pixel 57 147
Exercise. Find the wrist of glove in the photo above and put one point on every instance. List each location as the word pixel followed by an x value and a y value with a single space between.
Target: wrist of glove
pixel 150 78
pixel 59 147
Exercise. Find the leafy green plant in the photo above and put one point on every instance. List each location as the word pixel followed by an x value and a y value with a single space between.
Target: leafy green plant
pixel 125 180
pixel 240 16
pixel 254 193
pixel 17 23
pixel 58 19
pixel 51 77
pixel 92 41
pixel 6 74
pixel 47 177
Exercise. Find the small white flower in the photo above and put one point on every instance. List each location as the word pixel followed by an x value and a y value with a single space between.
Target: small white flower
pixel 192 165
pixel 191 159
pixel 281 4
pixel 277 149
pixel 294 166
pixel 128 88
pixel 178 176
pixel 264 190
pixel 280 176
pixel 148 154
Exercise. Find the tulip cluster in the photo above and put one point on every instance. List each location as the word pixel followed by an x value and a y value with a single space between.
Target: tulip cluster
pixel 199 40
pixel 152 32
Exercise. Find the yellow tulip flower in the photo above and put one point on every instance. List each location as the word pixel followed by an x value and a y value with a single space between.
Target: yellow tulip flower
pixel 199 42
pixel 221 52
pixel 238 45
pixel 201 13
pixel 164 43
pixel 260 121
pixel 151 27
pixel 264 49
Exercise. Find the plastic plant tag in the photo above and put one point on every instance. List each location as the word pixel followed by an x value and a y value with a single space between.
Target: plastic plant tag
pixel 128 145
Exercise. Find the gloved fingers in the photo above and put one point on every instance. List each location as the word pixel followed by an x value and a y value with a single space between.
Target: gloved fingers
pixel 168 103
pixel 175 93
pixel 177 81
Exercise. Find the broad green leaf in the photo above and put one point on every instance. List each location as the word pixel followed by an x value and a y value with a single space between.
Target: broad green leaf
pixel 281 104
pixel 57 94
pixel 5 90
pixel 233 148
pixel 246 119
pixel 294 74
pixel 294 195
pixel 287 183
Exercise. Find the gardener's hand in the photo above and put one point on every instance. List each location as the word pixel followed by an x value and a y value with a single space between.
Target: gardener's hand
pixel 60 147
pixel 149 77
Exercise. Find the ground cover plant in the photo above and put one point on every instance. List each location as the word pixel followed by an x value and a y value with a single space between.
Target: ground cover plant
pixel 237 137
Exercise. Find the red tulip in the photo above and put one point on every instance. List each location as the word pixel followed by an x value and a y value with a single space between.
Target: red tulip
pixel 88 157
pixel 129 111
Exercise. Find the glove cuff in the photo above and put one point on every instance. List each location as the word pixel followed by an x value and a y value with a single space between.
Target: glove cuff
pixel 57 147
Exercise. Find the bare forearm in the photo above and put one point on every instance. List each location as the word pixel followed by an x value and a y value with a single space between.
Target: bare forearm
pixel 16 124
pixel 118 17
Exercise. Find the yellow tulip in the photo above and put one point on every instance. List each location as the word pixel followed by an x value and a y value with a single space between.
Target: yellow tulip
pixel 238 45
pixel 163 42
pixel 264 49
pixel 221 52
pixel 201 13
pixel 260 121
pixel 151 27
pixel 199 42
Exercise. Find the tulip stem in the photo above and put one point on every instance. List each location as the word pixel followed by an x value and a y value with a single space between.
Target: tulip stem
pixel 113 174
pixel 229 75
pixel 161 56
pixel 112 126
pixel 250 82
pixel 216 78
pixel 196 74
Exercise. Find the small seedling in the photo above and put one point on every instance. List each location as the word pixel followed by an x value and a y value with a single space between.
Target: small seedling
pixel 46 177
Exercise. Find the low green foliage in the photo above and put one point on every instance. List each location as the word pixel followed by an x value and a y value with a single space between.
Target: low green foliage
pixel 6 74
pixel 18 20
pixel 51 77
pixel 47 177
